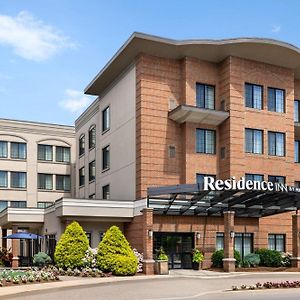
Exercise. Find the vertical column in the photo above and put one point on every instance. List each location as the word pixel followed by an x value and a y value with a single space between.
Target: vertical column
pixel 296 240
pixel 229 260
pixel 15 248
pixel 4 241
pixel 148 265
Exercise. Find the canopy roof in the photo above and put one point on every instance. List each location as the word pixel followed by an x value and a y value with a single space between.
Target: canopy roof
pixel 190 199
pixel 23 236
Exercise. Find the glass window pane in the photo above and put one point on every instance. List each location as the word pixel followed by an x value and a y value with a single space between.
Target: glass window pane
pixel 106 119
pixel 296 111
pixel 280 144
pixel 200 102
pixel 200 141
pixel 271 99
pixel 3 149
pixel 3 178
pixel 296 151
pixel 279 100
pixel 249 141
pixel 210 141
pixel 219 241
pixel 248 95
pixel 257 96
pixel 257 141
pixel 210 97
pixel 272 143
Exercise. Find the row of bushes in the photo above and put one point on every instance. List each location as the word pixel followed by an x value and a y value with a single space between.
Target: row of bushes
pixel 114 253
pixel 261 257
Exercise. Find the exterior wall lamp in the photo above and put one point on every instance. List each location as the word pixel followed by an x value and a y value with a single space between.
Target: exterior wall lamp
pixel 198 235
pixel 232 234
pixel 150 233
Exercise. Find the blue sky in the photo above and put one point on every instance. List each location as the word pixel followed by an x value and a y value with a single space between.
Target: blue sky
pixel 50 50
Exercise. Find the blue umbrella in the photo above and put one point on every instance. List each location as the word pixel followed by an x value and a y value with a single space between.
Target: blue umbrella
pixel 23 235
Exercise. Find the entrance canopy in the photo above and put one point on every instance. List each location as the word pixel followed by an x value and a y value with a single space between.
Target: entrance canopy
pixel 191 199
pixel 23 236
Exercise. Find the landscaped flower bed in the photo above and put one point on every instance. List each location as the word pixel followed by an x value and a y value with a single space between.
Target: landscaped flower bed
pixel 268 285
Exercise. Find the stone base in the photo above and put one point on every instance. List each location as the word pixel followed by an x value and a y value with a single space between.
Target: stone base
pixel 161 267
pixel 229 264
pixel 295 262
pixel 15 262
pixel 148 267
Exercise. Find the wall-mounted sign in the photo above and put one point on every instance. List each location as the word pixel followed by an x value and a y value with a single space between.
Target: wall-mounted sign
pixel 212 184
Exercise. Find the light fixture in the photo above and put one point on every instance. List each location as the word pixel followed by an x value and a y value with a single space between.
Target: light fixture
pixel 150 233
pixel 232 234
pixel 198 235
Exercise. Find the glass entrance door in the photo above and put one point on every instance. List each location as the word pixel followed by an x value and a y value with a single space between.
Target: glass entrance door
pixel 178 247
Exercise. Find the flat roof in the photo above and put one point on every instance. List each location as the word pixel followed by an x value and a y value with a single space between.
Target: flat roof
pixel 258 49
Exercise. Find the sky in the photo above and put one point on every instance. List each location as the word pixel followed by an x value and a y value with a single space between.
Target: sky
pixel 50 50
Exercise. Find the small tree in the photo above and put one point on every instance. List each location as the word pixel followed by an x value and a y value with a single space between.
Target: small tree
pixel 71 248
pixel 115 254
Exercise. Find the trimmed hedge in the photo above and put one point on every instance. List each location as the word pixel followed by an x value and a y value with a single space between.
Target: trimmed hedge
pixel 218 255
pixel 71 248
pixel 115 254
pixel 41 259
pixel 251 260
pixel 269 258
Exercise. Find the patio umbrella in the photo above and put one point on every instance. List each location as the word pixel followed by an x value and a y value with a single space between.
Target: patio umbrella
pixel 23 235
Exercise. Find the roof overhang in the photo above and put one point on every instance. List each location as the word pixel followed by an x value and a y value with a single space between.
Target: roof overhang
pixel 258 49
pixel 193 114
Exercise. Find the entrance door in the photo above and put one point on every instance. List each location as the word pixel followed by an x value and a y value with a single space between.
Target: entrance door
pixel 178 247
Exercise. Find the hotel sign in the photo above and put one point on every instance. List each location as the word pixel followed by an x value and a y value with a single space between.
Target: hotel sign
pixel 212 184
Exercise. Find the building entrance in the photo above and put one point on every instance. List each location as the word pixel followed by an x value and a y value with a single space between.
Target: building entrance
pixel 178 247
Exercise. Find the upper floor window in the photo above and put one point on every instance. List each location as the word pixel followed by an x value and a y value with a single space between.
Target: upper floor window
pixel 276 179
pixel 205 141
pixel 254 141
pixel 297 111
pixel 105 158
pixel 45 152
pixel 18 204
pixel 3 179
pixel 63 154
pixel 3 205
pixel 18 179
pixel 254 95
pixel 254 177
pixel 92 170
pixel 3 149
pixel 18 150
pixel 276 100
pixel 81 176
pixel 44 204
pixel 92 137
pixel 297 151
pixel 105 192
pixel 200 179
pixel 205 96
pixel 81 144
pixel 45 181
pixel 105 119
pixel 276 143
pixel 63 183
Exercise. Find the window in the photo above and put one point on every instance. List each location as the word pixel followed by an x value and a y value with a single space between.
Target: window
pixel 18 150
pixel 297 184
pixel 276 143
pixel 254 177
pixel 296 151
pixel 105 158
pixel 243 242
pixel 81 176
pixel 101 235
pixel 3 179
pixel 45 152
pixel 223 152
pixel 81 145
pixel 45 181
pixel 63 182
pixel 18 179
pixel 205 96
pixel 63 154
pixel 278 179
pixel 253 141
pixel 105 119
pixel 89 237
pixel 92 137
pixel 172 151
pixel 50 243
pixel 92 170
pixel 205 141
pixel 3 149
pixel 276 100
pixel 219 241
pixel 276 242
pixel 105 192
pixel 253 95
pixel 18 204
pixel 3 205
pixel 297 111
pixel 200 179
pixel 44 204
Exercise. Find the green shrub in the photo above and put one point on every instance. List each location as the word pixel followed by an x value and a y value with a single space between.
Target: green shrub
pixel 218 255
pixel 115 254
pixel 198 257
pixel 161 254
pixel 71 248
pixel 269 258
pixel 41 259
pixel 251 260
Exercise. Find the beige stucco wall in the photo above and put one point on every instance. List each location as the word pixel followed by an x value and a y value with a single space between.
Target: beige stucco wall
pixel 120 137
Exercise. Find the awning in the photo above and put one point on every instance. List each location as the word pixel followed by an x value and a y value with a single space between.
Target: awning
pixel 190 199
pixel 23 236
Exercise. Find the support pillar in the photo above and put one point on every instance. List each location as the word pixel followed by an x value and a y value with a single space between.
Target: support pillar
pixel 148 264
pixel 15 248
pixel 229 260
pixel 4 241
pixel 296 241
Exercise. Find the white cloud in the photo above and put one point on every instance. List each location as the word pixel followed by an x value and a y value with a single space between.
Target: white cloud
pixel 75 101
pixel 30 38
pixel 276 28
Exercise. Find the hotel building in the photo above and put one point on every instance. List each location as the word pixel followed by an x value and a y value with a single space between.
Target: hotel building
pixel 169 113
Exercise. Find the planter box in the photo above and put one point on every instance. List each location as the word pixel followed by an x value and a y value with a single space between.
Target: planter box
pixel 161 267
